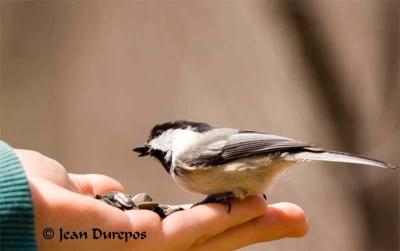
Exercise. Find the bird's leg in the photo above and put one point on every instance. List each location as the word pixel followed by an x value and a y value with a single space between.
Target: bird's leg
pixel 223 198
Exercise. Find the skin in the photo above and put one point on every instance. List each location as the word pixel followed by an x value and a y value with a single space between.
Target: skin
pixel 60 202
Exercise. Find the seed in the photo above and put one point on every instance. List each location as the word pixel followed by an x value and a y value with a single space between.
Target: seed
pixel 124 200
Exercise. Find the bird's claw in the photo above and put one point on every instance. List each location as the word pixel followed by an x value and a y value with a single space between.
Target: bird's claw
pixel 223 198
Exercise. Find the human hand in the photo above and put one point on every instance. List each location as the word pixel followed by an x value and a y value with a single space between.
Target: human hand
pixel 60 203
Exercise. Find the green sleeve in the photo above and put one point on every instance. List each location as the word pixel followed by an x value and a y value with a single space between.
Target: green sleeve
pixel 17 229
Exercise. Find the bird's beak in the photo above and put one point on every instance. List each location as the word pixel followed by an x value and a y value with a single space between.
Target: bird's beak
pixel 143 150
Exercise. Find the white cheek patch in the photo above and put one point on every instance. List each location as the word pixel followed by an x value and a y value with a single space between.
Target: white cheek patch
pixel 183 139
pixel 162 142
pixel 174 141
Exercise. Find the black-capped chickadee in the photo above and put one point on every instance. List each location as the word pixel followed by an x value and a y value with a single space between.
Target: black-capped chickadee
pixel 224 163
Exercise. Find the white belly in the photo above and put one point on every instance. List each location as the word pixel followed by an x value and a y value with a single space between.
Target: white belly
pixel 242 177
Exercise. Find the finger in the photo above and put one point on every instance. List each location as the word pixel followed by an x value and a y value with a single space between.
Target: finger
pixel 95 183
pixel 281 220
pixel 196 225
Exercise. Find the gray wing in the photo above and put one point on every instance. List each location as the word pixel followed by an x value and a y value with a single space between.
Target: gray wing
pixel 243 144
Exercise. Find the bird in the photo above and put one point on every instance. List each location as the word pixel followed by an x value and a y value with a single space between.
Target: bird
pixel 227 163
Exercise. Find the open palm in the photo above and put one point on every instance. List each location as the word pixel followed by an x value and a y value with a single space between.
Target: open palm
pixel 61 204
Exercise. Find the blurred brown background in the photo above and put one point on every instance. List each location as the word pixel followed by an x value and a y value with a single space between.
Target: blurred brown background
pixel 84 82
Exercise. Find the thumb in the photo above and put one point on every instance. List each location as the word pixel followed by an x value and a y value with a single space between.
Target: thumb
pixel 95 183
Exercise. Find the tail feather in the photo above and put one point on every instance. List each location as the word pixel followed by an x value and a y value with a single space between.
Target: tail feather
pixel 337 157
